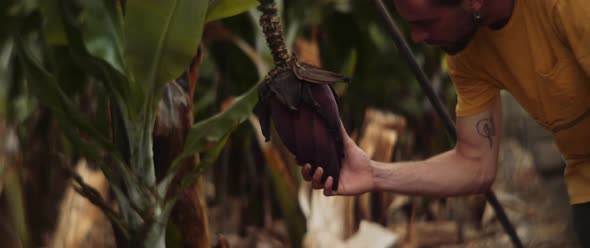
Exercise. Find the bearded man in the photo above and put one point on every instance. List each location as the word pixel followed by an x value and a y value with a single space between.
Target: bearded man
pixel 539 51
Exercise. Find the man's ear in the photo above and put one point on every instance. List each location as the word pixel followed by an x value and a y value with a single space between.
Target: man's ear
pixel 473 5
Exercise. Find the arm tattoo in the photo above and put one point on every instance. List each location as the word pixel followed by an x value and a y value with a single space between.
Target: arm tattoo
pixel 485 128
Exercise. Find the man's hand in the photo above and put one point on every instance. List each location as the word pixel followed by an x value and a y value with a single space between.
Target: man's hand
pixel 356 173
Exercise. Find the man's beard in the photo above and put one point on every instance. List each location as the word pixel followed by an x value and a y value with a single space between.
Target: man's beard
pixel 462 43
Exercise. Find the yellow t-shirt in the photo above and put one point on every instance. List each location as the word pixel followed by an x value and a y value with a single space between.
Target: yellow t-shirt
pixel 542 57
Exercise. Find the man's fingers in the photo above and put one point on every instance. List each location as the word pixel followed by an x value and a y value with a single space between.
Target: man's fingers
pixel 306 172
pixel 317 178
pixel 328 187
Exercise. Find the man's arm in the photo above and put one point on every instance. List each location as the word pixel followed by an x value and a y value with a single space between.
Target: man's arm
pixel 468 168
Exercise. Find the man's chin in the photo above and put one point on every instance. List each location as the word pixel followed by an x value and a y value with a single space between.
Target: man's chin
pixel 453 49
pixel 458 46
pixel 450 49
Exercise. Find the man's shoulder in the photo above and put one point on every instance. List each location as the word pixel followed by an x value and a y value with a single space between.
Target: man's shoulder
pixel 462 66
pixel 466 59
pixel 545 7
pixel 540 4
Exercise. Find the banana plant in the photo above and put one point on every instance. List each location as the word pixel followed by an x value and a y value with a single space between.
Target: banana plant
pixel 127 52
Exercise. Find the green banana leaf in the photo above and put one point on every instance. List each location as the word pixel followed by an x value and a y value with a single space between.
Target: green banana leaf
pixel 54 29
pixel 213 129
pixel 161 39
pixel 226 8
pixel 93 40
pixel 2 169
pixel 45 87
pixel 209 159
pixel 101 26
pixel 16 203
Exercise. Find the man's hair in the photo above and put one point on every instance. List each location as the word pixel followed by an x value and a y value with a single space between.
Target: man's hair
pixel 446 3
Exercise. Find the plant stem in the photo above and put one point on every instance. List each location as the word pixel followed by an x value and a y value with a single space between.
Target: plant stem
pixel 273 32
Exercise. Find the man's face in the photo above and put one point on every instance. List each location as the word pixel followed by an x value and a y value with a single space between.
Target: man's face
pixel 450 28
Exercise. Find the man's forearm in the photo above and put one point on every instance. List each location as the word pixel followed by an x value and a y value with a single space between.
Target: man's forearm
pixel 446 174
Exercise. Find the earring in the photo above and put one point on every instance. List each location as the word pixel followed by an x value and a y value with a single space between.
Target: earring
pixel 477 16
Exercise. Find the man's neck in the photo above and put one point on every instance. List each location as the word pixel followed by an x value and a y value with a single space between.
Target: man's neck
pixel 497 13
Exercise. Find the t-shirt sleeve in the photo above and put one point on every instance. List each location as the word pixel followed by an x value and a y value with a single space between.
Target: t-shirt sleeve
pixel 572 21
pixel 474 94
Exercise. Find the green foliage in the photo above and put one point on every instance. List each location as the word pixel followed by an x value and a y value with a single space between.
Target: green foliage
pixel 215 129
pixel 161 39
pixel 54 29
pixel 210 158
pixel 46 88
pixel 15 196
pixel 92 48
pixel 100 24
pixel 220 9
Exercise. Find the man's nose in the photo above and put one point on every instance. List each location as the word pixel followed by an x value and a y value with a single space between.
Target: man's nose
pixel 419 36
